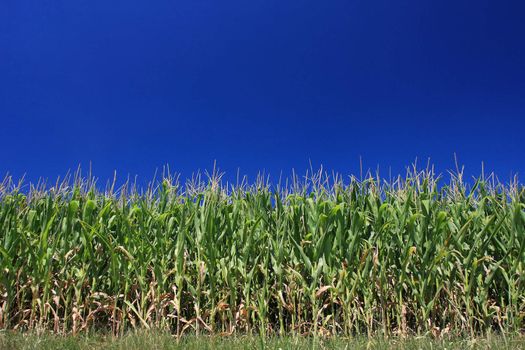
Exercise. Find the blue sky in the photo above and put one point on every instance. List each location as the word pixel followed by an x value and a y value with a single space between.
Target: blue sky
pixel 260 85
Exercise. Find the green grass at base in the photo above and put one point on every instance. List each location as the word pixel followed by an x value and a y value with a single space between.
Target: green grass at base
pixel 161 341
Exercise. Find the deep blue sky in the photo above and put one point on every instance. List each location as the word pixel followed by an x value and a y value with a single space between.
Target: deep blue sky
pixel 260 84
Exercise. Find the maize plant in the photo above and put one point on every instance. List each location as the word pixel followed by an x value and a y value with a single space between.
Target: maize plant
pixel 318 256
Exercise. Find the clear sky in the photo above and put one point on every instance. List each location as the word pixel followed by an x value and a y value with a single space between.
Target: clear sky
pixel 260 85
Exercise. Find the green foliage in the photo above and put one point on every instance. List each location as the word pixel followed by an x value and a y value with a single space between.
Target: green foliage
pixel 154 340
pixel 318 257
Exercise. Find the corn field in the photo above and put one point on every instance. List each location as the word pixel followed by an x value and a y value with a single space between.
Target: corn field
pixel 317 255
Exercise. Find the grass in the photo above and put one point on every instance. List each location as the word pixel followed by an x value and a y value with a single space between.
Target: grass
pixel 163 341
pixel 320 257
